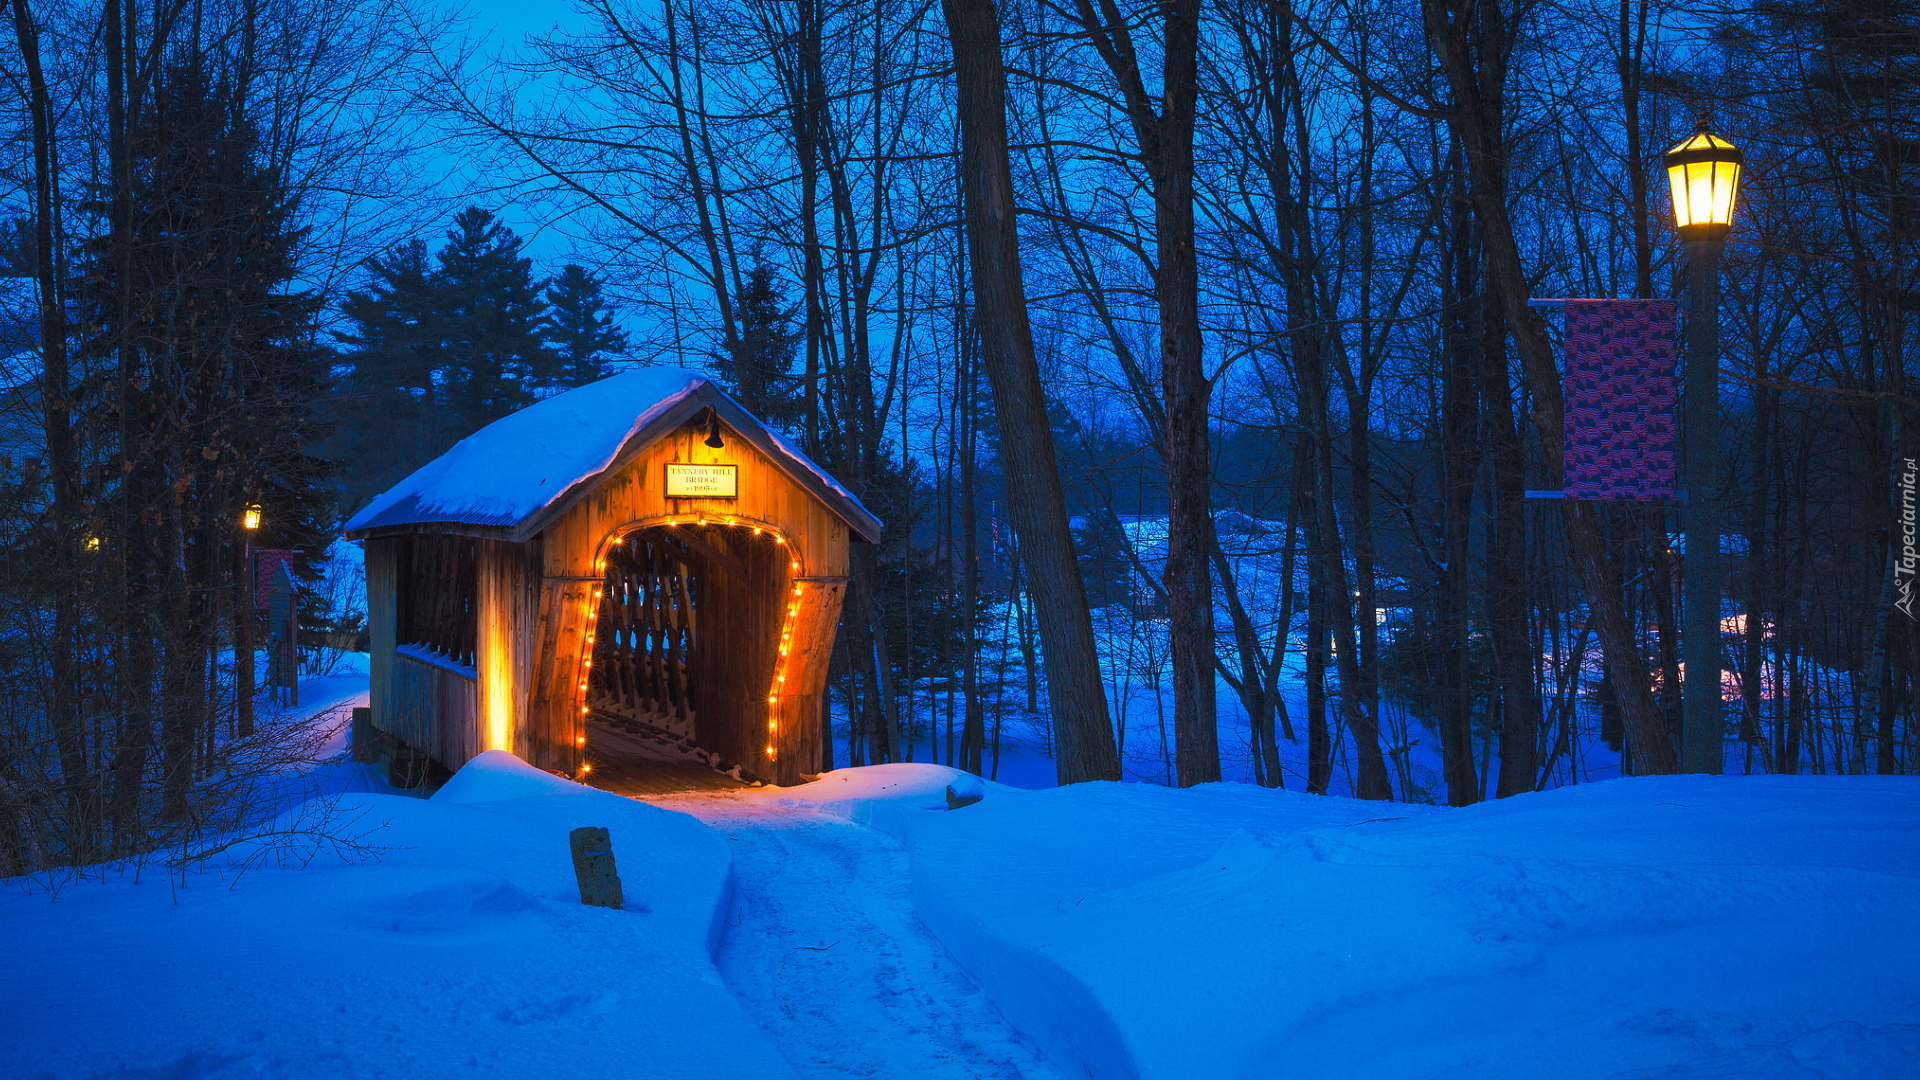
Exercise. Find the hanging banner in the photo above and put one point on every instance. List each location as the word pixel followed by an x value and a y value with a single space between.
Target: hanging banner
pixel 1620 400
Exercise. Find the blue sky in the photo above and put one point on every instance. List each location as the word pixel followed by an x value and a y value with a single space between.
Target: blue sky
pixel 507 24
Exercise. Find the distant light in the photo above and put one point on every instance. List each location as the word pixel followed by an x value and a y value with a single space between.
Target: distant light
pixel 250 518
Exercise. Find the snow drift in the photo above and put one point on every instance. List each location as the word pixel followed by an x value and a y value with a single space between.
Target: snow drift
pixel 1762 927
pixel 463 951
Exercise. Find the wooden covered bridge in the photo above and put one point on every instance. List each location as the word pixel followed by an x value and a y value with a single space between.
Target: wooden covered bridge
pixel 638 564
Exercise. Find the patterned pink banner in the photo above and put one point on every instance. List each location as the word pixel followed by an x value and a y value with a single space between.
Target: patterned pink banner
pixel 1620 400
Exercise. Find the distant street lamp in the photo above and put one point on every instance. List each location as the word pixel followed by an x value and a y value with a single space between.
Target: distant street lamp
pixel 243 617
pixel 1704 172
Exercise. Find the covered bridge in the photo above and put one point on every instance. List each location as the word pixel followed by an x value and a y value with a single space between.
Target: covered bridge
pixel 639 555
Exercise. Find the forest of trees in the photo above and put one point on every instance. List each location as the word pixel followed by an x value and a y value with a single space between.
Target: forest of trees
pixel 1276 257
pixel 432 351
pixel 1238 289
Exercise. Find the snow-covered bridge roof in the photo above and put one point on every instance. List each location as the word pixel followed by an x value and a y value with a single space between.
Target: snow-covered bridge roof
pixel 521 471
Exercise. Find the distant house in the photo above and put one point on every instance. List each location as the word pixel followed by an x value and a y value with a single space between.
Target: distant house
pixel 642 553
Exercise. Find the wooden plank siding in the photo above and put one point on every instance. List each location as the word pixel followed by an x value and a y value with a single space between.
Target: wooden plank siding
pixel 802 714
pixel 434 708
pixel 381 594
pixel 749 614
pixel 507 591
pixel 576 545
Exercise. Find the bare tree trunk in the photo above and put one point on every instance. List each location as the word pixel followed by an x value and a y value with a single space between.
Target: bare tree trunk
pixel 973 727
pixel 1164 136
pixel 1472 40
pixel 57 417
pixel 1514 663
pixel 1186 390
pixel 1630 49
pixel 809 107
pixel 1036 503
pixel 1319 738
pixel 133 563
pixel 1459 469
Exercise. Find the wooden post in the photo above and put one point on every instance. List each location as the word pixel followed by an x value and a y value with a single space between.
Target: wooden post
pixel 593 867
pixel 382 613
pixel 366 748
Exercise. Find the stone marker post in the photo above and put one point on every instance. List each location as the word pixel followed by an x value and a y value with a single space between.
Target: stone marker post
pixel 365 747
pixel 593 866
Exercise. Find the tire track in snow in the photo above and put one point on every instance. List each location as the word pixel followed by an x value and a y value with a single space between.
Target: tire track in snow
pixel 823 949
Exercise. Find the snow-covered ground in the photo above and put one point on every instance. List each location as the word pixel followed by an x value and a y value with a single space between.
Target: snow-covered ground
pixel 1761 927
pixel 461 950
pixel 823 949
pixel 1676 927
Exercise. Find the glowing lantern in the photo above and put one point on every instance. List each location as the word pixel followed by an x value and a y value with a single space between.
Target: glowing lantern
pixel 1704 173
pixel 250 518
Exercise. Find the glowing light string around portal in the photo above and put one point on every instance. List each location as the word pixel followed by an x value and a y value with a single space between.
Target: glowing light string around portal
pixel 790 619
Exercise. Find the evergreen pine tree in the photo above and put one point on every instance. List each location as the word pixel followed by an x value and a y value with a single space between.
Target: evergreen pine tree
pixel 205 372
pixel 400 340
pixel 760 370
pixel 390 399
pixel 493 315
pixel 580 327
pixel 438 350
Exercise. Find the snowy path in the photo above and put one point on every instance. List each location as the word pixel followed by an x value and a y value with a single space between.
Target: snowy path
pixel 823 950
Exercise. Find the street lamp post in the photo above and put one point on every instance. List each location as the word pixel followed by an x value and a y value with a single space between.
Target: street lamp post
pixel 243 626
pixel 1704 172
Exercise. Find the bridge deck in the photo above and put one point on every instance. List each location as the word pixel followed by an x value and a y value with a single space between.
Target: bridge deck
pixel 628 764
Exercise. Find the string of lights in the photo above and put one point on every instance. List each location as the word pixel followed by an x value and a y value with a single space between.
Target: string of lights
pixel 790 618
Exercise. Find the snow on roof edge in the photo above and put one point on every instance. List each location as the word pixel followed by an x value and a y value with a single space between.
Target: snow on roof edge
pixel 486 478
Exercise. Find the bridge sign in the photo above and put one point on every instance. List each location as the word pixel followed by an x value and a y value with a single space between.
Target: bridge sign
pixel 702 481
